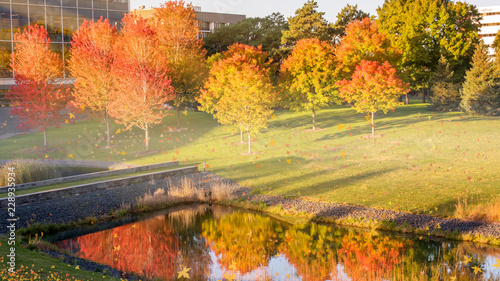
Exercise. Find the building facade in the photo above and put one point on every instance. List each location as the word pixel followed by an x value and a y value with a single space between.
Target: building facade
pixel 61 19
pixel 208 21
pixel 490 24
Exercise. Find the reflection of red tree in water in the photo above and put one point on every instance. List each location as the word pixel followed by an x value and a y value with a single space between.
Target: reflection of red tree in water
pixel 148 248
pixel 368 257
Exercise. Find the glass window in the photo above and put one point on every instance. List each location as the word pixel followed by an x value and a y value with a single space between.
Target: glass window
pixel 37 15
pixel 100 13
pixel 37 2
pixel 70 23
pixel 19 17
pixel 84 14
pixel 85 3
pixel 5 51
pixel 5 22
pixel 53 2
pixel 18 1
pixel 54 24
pixel 100 4
pixel 205 25
pixel 69 3
pixel 121 5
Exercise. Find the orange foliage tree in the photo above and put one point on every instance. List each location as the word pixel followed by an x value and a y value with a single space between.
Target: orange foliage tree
pixel 142 84
pixel 239 91
pixel 373 87
pixel 364 41
pixel 309 77
pixel 90 62
pixel 39 99
pixel 177 30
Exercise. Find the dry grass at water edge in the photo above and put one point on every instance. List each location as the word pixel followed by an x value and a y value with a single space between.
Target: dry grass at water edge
pixel 188 190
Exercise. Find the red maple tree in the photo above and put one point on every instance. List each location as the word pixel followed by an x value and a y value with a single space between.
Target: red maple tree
pixel 373 87
pixel 39 98
pixel 141 77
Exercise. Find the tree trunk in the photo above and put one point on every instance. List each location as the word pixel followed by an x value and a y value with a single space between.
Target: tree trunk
pixel 407 101
pixel 147 137
pixel 108 135
pixel 314 119
pixel 373 125
pixel 178 117
pixel 423 95
pixel 45 138
pixel 241 135
pixel 249 147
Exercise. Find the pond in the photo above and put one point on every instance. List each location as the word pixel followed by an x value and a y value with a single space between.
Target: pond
pixel 220 243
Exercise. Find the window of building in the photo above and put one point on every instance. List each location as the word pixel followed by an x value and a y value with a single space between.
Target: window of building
pixel 54 23
pixel 5 51
pixel 5 26
pixel 205 25
pixel 491 24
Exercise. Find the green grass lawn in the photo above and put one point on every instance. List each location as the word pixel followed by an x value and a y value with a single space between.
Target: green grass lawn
pixel 92 180
pixel 423 162
pixel 43 266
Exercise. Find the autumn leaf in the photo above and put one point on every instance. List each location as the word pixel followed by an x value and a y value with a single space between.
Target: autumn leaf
pixel 184 273
pixel 340 126
pixel 273 142
pixel 70 156
pixel 476 270
pixel 123 152
pixel 467 259
pixel 289 161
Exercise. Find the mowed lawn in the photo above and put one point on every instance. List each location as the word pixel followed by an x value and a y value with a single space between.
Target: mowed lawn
pixel 420 162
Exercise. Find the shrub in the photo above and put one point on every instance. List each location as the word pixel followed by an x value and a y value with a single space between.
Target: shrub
pixel 27 171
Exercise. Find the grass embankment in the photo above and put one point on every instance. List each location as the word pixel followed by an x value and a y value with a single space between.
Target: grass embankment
pixel 421 161
pixel 99 179
pixel 33 265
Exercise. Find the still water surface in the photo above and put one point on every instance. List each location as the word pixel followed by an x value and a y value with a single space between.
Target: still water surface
pixel 219 243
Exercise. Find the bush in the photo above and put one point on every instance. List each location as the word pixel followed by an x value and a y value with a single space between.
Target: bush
pixel 27 171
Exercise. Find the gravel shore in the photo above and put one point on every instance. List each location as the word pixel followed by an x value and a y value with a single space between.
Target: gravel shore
pixel 68 209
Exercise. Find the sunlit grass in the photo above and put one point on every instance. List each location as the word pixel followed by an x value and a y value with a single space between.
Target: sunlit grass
pixel 422 163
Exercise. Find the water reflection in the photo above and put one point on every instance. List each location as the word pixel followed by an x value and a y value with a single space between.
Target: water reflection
pixel 219 243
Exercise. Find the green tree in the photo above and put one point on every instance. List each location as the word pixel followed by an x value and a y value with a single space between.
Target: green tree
pixel 345 17
pixel 426 29
pixel 265 32
pixel 307 23
pixel 481 89
pixel 309 76
pixel 445 93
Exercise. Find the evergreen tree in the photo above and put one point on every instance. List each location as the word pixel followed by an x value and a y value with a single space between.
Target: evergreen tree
pixel 345 17
pixel 481 89
pixel 445 94
pixel 307 23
